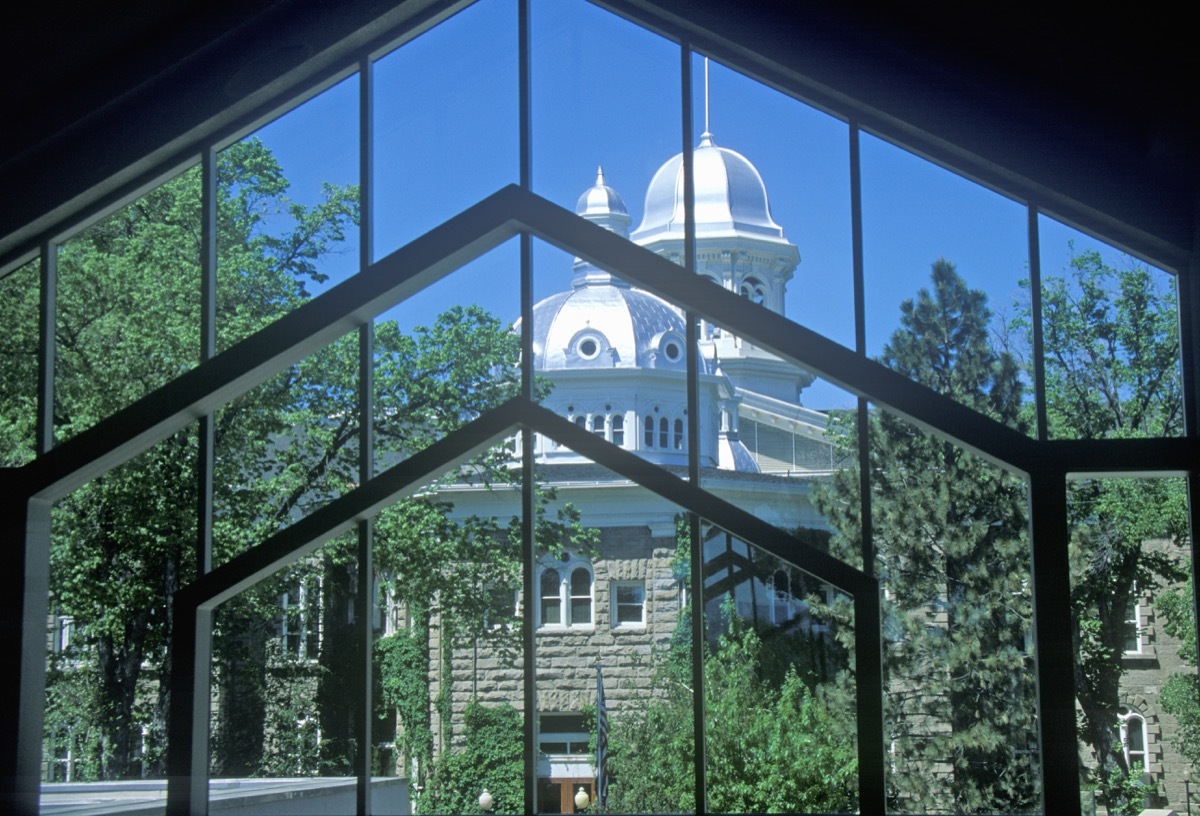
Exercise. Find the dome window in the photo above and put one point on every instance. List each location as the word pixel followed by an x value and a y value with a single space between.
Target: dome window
pixel 670 346
pixel 588 345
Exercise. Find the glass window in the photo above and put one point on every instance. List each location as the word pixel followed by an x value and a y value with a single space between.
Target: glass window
pixel 551 598
pixel 1133 625
pixel 573 594
pixel 663 432
pixel 679 434
pixel 1133 736
pixel 581 596
pixel 629 604
pixel 618 431
pixel 649 432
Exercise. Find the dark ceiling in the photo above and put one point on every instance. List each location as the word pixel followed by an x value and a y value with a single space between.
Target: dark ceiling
pixel 1117 91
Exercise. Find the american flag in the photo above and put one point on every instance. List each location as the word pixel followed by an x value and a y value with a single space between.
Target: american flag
pixel 601 742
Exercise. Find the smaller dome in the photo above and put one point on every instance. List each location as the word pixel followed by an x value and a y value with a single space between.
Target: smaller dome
pixel 603 205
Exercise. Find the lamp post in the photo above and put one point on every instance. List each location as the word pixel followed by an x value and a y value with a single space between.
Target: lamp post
pixel 1187 789
pixel 486 802
pixel 582 800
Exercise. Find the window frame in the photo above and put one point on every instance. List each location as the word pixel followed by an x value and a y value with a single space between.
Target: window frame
pixel 565 599
pixel 615 604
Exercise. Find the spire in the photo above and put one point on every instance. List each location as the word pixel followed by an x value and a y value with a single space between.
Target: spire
pixel 600 176
pixel 706 131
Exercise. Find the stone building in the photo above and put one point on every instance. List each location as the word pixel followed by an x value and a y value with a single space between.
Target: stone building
pixel 616 358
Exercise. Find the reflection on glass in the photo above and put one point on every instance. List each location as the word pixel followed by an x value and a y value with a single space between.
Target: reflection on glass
pixel 772 200
pixel 609 557
pixel 779 685
pixel 1135 676
pixel 918 217
pixel 445 126
pixel 287 209
pixel 285 448
pixel 446 355
pixel 953 556
pixel 19 302
pixel 623 117
pixel 121 545
pixel 449 655
pixel 608 354
pixel 128 318
pixel 283 708
pixel 1111 336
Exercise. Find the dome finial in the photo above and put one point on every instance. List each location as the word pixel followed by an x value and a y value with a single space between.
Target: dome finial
pixel 600 175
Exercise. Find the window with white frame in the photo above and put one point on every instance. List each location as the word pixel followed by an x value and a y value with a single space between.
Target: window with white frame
pixel 628 604
pixel 618 430
pixel 566 596
pixel 562 734
pixel 1133 623
pixel 1134 737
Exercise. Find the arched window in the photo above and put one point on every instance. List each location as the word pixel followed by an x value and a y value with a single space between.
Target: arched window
pixel 649 432
pixel 618 430
pixel 754 290
pixel 679 434
pixel 581 597
pixel 566 596
pixel 664 431
pixel 1133 736
pixel 551 598
pixel 598 424
pixel 581 420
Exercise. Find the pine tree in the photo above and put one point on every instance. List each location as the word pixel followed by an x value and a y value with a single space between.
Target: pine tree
pixel 953 557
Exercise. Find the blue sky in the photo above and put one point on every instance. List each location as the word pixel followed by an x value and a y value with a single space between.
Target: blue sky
pixel 606 92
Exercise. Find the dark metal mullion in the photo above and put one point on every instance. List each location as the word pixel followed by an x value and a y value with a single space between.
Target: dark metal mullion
pixel 1188 298
pixel 528 544
pixel 1054 653
pixel 206 441
pixel 47 348
pixel 868 670
pixel 364 601
pixel 862 423
pixel 696 546
pixel 1035 307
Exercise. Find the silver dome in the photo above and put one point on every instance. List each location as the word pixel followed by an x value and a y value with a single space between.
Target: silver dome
pixel 730 198
pixel 607 325
pixel 603 205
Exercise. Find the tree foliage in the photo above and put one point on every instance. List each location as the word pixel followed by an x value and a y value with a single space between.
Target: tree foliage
pixel 774 743
pixel 1112 371
pixel 491 756
pixel 952 553
pixel 128 322
pixel 1180 695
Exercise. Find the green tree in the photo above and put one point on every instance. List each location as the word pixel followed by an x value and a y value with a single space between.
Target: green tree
pixel 451 572
pixel 774 743
pixel 1181 693
pixel 952 551
pixel 491 756
pixel 1112 371
pixel 128 322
